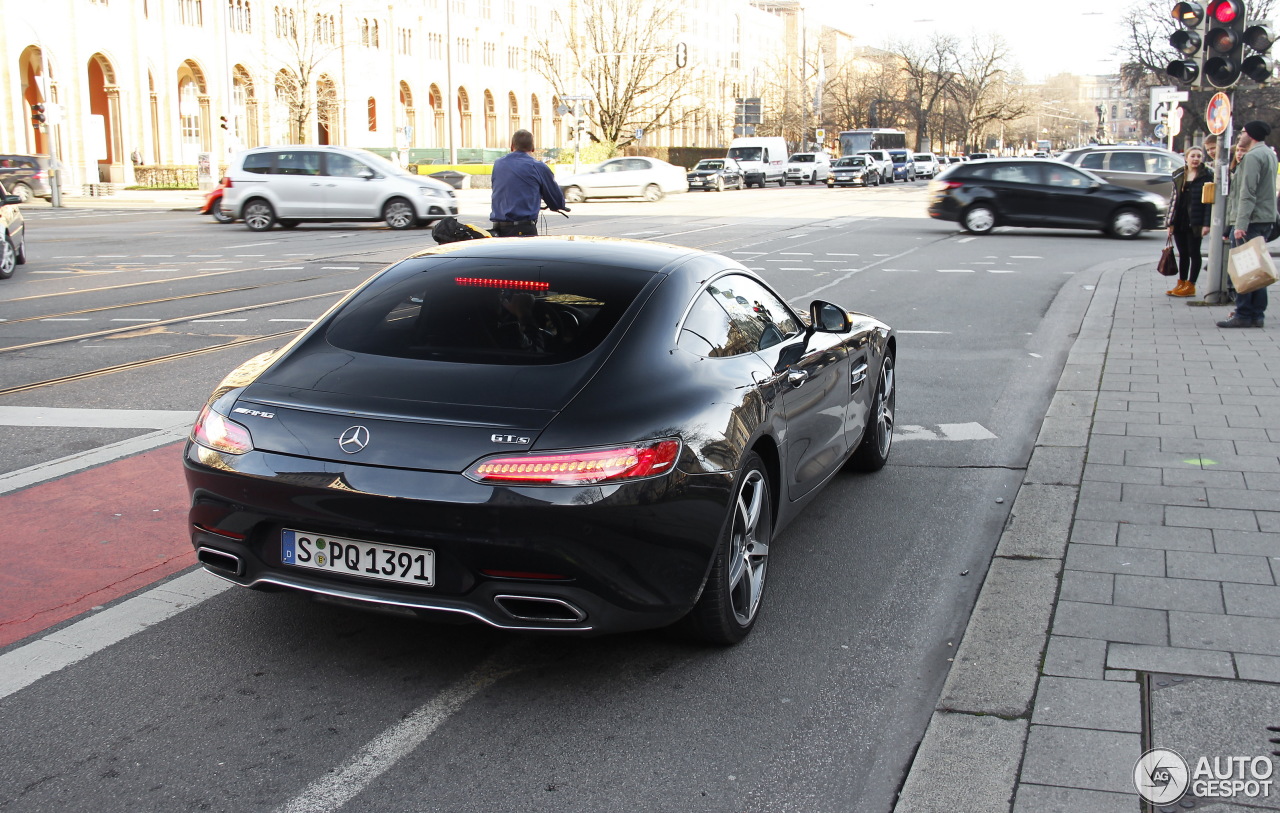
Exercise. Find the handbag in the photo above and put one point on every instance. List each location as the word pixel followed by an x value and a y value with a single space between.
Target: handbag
pixel 1168 265
pixel 1250 266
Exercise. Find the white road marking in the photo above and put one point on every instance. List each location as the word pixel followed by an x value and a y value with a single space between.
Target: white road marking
pixel 135 320
pixel 936 332
pixel 1024 257
pixel 69 257
pixel 199 321
pixel 27 664
pixel 56 319
pixel 838 254
pixel 745 252
pixel 795 269
pixel 307 321
pixel 804 253
pixel 333 790
pixel 202 256
pixel 796 236
pixel 157 270
pixel 1000 271
pixel 110 256
pixel 155 255
pixel 96 418
pixel 901 270
pixel 340 268
pixel 1035 355
pixel 966 239
pixel 829 261
pixel 252 245
pixel 634 233
pixel 946 431
pixel 955 270
pixel 286 268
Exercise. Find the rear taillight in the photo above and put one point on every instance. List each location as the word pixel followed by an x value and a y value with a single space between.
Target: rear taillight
pixel 579 467
pixel 38 176
pixel 944 186
pixel 220 433
pixel 226 183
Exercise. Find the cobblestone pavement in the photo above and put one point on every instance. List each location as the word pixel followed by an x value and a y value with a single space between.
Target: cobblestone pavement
pixel 1132 602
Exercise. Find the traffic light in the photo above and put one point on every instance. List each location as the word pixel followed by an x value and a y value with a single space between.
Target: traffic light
pixel 1258 66
pixel 1224 43
pixel 1188 41
pixel 222 120
pixel 37 114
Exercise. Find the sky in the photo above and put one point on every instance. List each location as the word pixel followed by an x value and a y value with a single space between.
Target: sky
pixel 1045 38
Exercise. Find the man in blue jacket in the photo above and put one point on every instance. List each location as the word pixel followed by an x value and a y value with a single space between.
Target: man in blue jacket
pixel 520 184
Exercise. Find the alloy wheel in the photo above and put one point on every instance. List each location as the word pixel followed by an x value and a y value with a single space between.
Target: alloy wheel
pixel 259 216
pixel 749 547
pixel 8 258
pixel 398 214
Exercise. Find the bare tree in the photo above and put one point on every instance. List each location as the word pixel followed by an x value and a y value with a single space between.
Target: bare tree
pixel 308 35
pixel 865 91
pixel 620 53
pixel 983 89
pixel 929 71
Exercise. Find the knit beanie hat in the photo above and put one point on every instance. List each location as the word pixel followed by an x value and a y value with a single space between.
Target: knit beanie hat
pixel 1258 130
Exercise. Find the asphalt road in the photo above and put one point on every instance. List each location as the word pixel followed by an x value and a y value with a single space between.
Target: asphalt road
pixel 266 701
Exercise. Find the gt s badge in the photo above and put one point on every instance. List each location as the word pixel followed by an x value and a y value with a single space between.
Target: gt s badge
pixel 508 439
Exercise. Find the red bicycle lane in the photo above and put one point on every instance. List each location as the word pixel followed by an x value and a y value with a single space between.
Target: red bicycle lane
pixel 85 539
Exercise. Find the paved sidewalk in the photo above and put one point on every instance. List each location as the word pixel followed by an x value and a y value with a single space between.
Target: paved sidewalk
pixel 1132 600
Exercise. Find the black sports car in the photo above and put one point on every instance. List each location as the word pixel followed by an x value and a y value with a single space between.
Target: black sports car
pixel 718 174
pixel 853 170
pixel 569 434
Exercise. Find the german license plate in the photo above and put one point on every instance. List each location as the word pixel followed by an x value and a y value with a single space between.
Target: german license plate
pixel 352 557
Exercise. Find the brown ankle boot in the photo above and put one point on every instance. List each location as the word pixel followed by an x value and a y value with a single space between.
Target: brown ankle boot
pixel 1187 290
pixel 1177 289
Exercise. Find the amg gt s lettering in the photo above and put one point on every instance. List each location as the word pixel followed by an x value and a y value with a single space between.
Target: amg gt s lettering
pixel 508 439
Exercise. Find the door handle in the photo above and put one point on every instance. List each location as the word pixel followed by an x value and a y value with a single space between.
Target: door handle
pixel 796 378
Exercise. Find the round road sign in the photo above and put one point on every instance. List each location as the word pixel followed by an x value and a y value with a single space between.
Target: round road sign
pixel 1218 114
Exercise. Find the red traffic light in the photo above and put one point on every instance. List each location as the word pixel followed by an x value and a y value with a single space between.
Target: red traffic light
pixel 1226 11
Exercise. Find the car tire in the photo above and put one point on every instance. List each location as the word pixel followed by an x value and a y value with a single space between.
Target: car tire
pixel 813 179
pixel 22 249
pixel 1125 223
pixel 719 184
pixel 742 184
pixel 783 181
pixel 219 214
pixel 730 601
pixel 258 215
pixel 8 258
pixel 23 192
pixel 399 215
pixel 573 194
pixel 653 193
pixel 978 219
pixel 877 437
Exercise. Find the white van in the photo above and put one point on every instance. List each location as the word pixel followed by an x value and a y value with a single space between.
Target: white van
pixel 809 167
pixel 763 159
pixel 295 184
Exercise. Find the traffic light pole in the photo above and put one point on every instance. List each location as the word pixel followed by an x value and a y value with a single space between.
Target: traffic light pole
pixel 1217 292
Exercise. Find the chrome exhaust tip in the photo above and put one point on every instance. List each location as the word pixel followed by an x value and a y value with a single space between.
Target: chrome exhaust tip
pixel 540 608
pixel 220 562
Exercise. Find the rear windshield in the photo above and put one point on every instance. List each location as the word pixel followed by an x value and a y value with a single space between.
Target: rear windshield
pixel 802 158
pixel 478 311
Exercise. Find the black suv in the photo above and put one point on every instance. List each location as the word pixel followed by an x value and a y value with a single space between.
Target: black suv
pixel 26 176
pixel 981 195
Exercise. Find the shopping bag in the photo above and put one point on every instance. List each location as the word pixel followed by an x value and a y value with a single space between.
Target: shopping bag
pixel 1250 266
pixel 1168 265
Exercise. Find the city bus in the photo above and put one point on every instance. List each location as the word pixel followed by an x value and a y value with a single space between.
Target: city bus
pixel 872 138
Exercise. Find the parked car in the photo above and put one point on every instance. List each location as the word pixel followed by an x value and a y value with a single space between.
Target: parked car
pixel 927 164
pixel 981 195
pixel 763 159
pixel 809 167
pixel 978 156
pixel 296 184
pixel 854 170
pixel 904 165
pixel 26 176
pixel 884 163
pixel 1149 169
pixel 716 173
pixel 630 177
pixel 13 249
pixel 213 204
pixel 466 435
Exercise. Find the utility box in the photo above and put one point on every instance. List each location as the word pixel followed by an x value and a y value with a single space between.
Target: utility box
pixel 456 179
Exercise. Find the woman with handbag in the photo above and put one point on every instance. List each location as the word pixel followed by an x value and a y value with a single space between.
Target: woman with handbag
pixel 1189 219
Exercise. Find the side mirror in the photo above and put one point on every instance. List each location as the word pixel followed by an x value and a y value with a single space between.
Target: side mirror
pixel 12 200
pixel 366 173
pixel 827 318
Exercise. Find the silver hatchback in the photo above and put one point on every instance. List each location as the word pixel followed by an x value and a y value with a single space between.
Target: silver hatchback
pixel 1148 169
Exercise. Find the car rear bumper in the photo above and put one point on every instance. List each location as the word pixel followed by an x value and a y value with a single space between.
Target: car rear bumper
pixel 622 557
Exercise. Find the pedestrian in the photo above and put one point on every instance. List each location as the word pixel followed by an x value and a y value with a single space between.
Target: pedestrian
pixel 1211 148
pixel 1189 219
pixel 520 184
pixel 1251 210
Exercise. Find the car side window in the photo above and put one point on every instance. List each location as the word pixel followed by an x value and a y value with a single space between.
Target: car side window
pixel 1066 176
pixel 258 163
pixel 1127 162
pixel 1093 160
pixel 612 166
pixel 1015 173
pixel 343 166
pixel 298 163
pixel 708 331
pixel 1161 164
pixel 756 313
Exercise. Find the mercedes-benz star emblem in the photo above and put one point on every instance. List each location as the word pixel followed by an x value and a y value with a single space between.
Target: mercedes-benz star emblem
pixel 354 439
